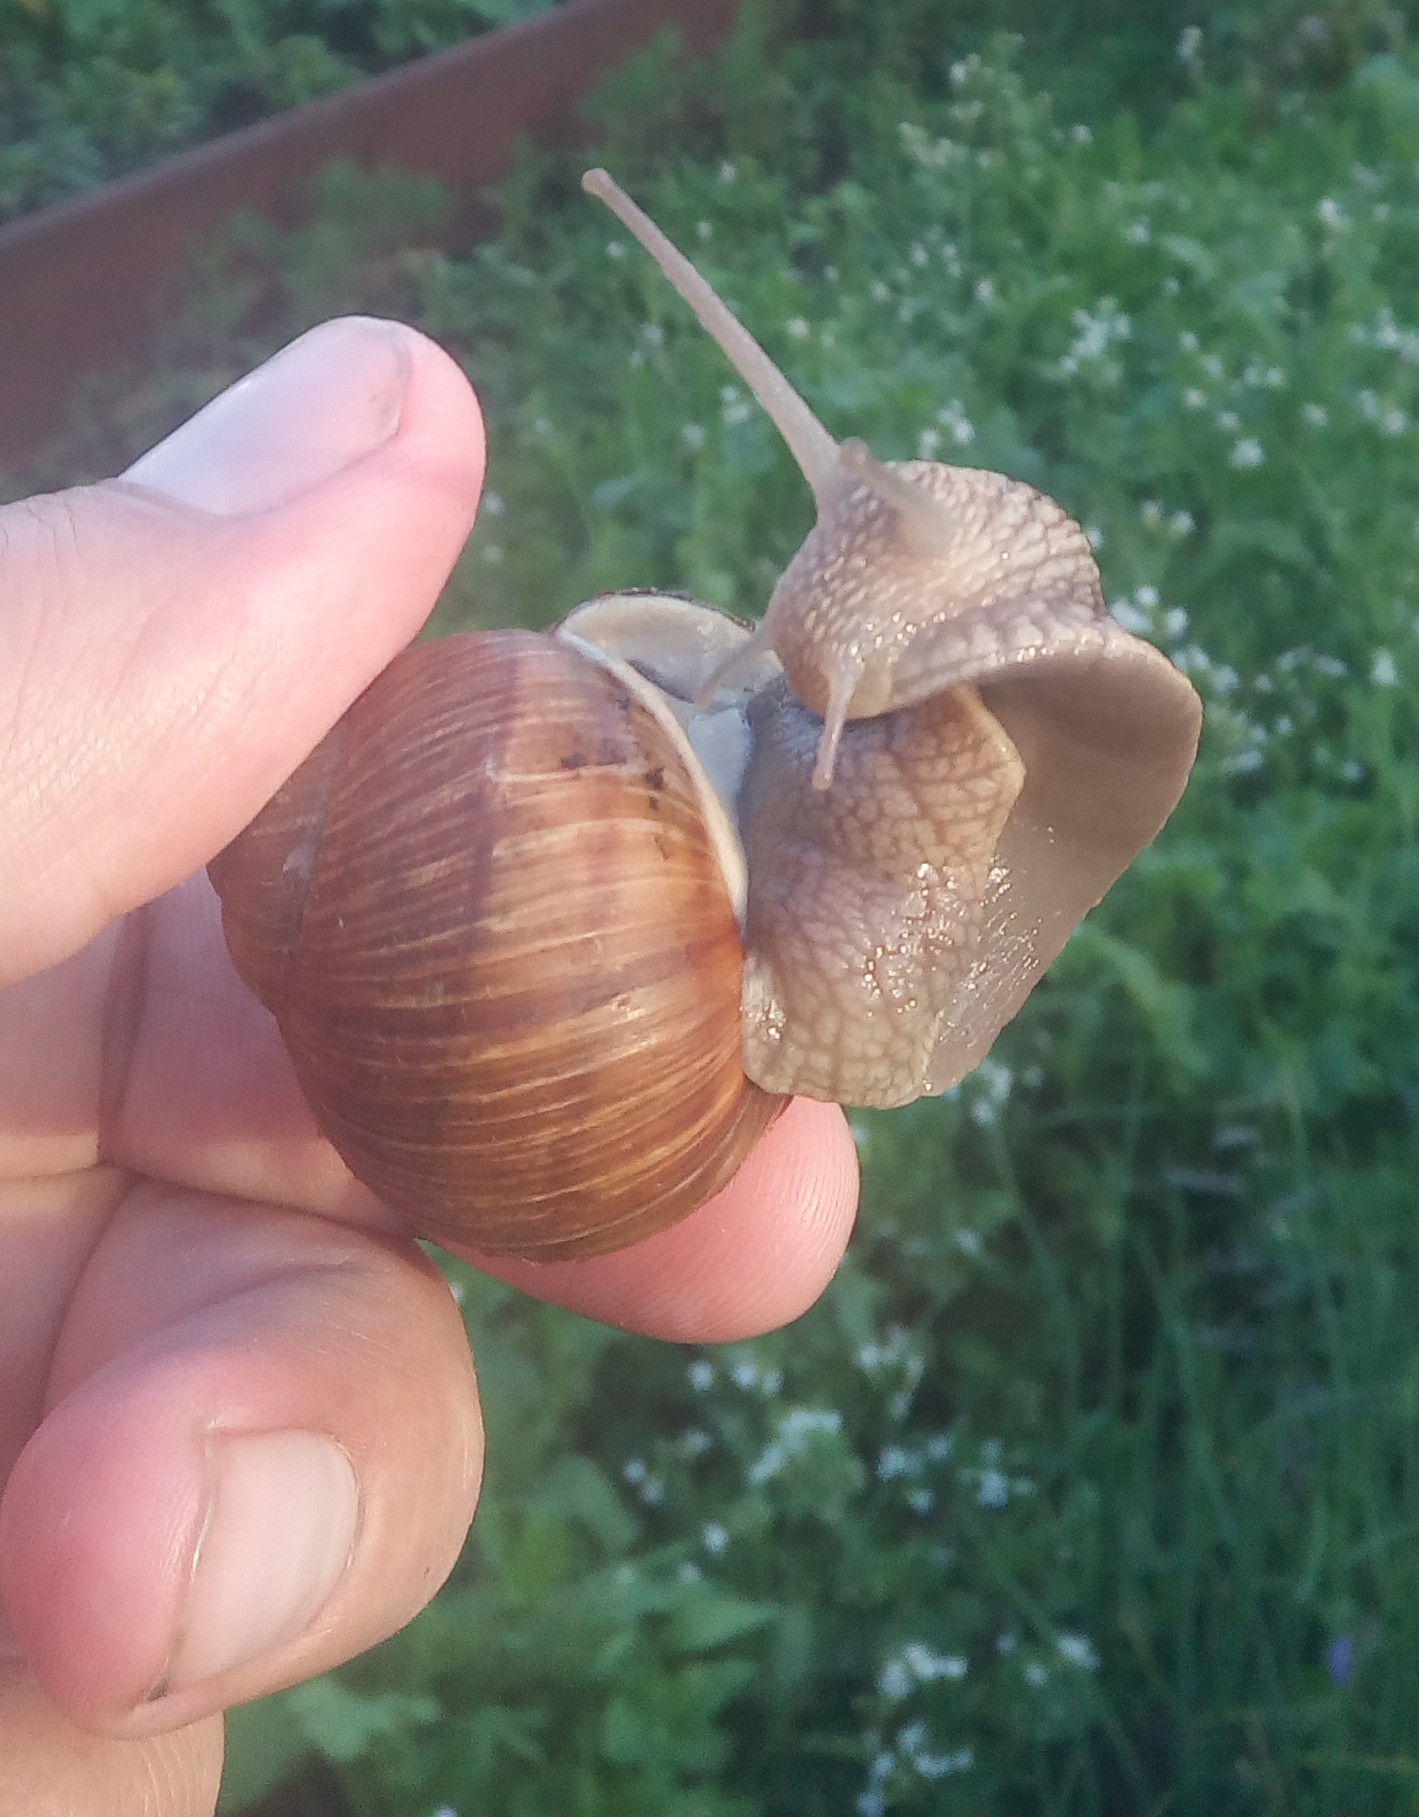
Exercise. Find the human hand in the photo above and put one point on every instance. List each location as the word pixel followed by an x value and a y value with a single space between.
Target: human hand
pixel 239 1433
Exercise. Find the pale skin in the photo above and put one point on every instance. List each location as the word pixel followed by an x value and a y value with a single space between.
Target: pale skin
pixel 203 1319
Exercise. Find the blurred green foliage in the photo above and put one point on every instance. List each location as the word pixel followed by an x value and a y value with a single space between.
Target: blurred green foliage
pixel 90 89
pixel 1092 1485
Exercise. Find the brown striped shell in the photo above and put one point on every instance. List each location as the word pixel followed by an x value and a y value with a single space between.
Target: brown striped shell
pixel 490 923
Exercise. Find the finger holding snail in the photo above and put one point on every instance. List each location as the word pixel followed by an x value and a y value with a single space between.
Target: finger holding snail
pixel 755 1257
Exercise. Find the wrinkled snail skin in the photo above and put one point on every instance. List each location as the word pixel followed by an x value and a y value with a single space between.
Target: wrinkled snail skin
pixel 867 899
pixel 552 924
pixel 888 597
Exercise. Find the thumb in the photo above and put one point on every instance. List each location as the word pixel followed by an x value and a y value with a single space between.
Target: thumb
pixel 172 644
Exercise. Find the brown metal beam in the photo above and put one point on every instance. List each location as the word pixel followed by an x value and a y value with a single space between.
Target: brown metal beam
pixel 81 282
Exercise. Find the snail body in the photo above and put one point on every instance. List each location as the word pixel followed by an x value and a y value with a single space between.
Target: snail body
pixel 552 923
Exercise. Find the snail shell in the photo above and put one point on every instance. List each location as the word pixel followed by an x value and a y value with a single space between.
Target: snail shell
pixel 551 924
pixel 548 1059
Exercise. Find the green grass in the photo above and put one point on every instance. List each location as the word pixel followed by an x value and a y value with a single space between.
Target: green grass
pixel 1092 1485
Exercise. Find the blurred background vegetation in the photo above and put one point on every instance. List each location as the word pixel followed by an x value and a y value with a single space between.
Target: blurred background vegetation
pixel 91 89
pixel 1092 1485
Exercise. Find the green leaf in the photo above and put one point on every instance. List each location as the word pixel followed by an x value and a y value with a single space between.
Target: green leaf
pixel 343 1723
pixel 708 1621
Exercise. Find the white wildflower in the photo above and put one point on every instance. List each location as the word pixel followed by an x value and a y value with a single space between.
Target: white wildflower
pixel 953 419
pixel 1077 1650
pixel 937 1766
pixel 993 1490
pixel 1392 420
pixel 928 1665
pixel 1129 616
pixel 1383 672
pixel 919 1664
pixel 796 1429
pixel 1247 453
pixel 1097 331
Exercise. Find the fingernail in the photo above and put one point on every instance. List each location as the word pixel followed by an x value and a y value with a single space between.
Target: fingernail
pixel 311 411
pixel 279 1530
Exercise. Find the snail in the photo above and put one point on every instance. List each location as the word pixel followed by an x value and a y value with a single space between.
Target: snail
pixel 551 924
